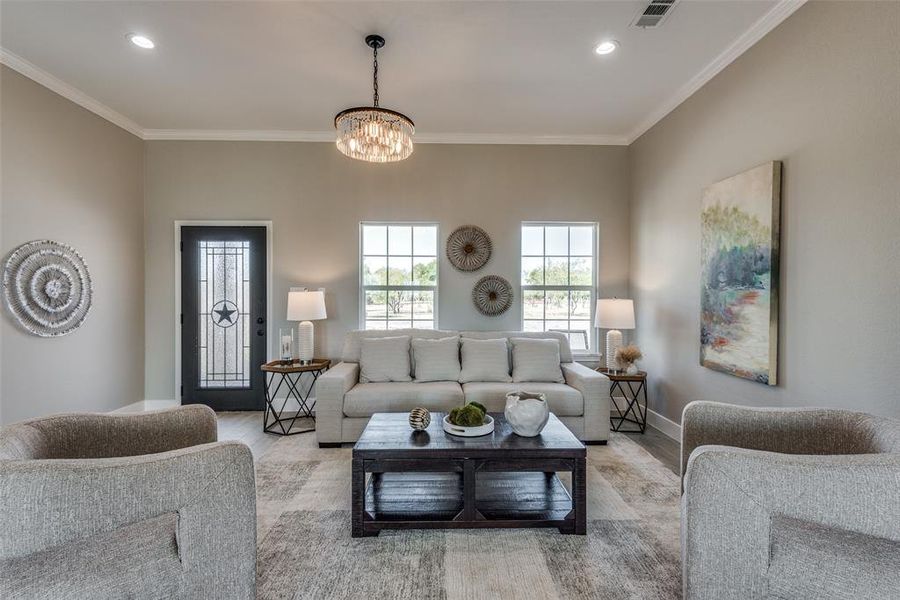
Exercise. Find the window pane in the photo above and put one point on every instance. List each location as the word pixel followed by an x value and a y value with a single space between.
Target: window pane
pixel 557 305
pixel 534 326
pixel 399 305
pixel 423 305
pixel 580 273
pixel 582 239
pixel 400 240
pixel 376 324
pixel 557 241
pixel 532 271
pixel 425 240
pixel 374 270
pixel 557 271
pixel 532 241
pixel 423 324
pixel 425 270
pixel 556 325
pixel 580 305
pixel 581 330
pixel 533 304
pixel 374 239
pixel 399 270
pixel 399 324
pixel 376 305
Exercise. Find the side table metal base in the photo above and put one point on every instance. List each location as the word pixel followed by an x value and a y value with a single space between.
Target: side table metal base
pixel 274 420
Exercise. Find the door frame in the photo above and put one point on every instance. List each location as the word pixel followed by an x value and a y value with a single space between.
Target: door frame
pixel 177 316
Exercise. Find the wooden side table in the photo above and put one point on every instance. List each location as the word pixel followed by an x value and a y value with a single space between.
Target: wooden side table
pixel 636 386
pixel 290 373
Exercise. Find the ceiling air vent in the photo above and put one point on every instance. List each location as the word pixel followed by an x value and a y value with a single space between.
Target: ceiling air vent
pixel 654 14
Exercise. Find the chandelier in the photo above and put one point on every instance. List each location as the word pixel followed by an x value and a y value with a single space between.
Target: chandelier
pixel 372 133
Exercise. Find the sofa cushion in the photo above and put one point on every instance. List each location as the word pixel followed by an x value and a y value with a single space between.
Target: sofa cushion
pixel 565 350
pixel 366 399
pixel 564 401
pixel 436 360
pixel 484 360
pixel 808 561
pixel 535 360
pixel 139 560
pixel 353 339
pixel 384 359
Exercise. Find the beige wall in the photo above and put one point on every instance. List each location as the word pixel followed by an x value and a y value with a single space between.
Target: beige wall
pixel 316 198
pixel 70 176
pixel 821 93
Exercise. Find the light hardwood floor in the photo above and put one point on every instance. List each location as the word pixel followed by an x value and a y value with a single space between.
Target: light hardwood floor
pixel 247 427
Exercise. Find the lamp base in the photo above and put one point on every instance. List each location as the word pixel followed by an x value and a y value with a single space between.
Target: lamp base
pixel 613 343
pixel 305 341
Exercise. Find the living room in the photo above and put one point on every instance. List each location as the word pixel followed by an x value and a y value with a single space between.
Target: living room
pixel 604 308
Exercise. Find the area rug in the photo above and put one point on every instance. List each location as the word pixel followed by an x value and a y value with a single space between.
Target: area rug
pixel 305 549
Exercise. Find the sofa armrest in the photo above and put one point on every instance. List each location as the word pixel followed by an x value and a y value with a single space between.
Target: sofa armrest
pixel 330 390
pixel 732 496
pixel 594 388
pixel 109 435
pixel 786 430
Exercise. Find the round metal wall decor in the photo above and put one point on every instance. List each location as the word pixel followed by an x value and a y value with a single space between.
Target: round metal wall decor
pixel 492 295
pixel 469 248
pixel 47 288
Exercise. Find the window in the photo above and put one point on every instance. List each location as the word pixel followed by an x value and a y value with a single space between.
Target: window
pixel 398 275
pixel 559 280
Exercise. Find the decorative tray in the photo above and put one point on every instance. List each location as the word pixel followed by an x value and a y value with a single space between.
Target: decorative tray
pixel 461 431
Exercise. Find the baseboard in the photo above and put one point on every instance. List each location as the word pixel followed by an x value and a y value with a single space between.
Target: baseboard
pixel 145 405
pixel 668 427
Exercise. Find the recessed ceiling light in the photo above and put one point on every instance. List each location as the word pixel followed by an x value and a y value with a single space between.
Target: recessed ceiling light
pixel 607 47
pixel 141 41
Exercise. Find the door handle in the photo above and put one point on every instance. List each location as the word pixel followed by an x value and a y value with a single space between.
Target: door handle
pixel 260 332
pixel 260 320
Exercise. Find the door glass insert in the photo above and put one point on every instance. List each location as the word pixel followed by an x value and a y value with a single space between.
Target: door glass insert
pixel 224 317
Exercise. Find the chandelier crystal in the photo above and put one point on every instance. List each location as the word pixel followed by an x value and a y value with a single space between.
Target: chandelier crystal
pixel 372 133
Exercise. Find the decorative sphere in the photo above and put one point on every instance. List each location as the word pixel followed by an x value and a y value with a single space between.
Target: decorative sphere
pixel 419 418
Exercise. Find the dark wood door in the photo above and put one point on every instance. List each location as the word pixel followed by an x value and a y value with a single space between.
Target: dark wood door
pixel 223 319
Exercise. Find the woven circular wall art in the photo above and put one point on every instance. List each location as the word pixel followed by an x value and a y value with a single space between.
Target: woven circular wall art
pixel 492 295
pixel 47 288
pixel 469 248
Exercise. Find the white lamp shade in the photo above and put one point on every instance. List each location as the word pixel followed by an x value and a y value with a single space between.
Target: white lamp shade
pixel 306 305
pixel 614 313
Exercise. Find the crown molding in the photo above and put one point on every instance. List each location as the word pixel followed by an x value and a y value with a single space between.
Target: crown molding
pixel 781 11
pixel 239 135
pixel 35 73
pixel 769 21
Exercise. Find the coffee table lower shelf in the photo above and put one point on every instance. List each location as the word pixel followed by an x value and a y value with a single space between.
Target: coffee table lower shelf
pixel 417 500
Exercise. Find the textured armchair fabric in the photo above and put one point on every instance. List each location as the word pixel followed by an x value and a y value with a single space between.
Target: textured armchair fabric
pixel 594 388
pixel 815 518
pixel 145 515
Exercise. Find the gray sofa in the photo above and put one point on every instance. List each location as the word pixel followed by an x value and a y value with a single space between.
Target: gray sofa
pixel 789 503
pixel 126 506
pixel 344 406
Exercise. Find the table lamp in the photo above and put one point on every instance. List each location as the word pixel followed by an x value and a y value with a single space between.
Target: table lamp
pixel 305 306
pixel 614 314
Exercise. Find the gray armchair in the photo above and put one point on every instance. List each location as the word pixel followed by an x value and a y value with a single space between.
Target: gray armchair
pixel 789 503
pixel 142 505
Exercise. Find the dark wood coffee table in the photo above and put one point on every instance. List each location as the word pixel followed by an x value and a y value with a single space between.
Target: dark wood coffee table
pixel 433 480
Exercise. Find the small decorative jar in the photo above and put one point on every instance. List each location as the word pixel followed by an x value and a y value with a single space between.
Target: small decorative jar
pixel 631 369
pixel 527 413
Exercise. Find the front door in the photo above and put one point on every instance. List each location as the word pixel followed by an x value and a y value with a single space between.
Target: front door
pixel 223 319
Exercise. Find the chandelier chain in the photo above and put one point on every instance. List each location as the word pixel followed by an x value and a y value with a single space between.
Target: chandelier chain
pixel 375 74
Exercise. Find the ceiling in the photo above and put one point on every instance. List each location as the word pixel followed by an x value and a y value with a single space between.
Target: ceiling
pixel 504 72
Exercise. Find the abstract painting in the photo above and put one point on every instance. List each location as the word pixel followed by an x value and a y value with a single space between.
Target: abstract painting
pixel 739 275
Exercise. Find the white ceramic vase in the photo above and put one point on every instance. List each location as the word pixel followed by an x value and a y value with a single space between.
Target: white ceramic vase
pixel 526 413
pixel 631 369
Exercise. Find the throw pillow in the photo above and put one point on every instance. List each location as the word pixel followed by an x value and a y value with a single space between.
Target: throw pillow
pixel 484 360
pixel 536 360
pixel 436 360
pixel 384 359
